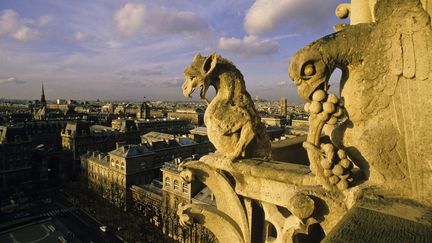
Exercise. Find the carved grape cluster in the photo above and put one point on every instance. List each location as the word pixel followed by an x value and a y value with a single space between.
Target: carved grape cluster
pixel 337 167
pixel 328 105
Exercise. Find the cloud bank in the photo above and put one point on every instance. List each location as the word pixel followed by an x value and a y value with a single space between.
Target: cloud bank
pixel 248 46
pixel 267 15
pixel 133 19
pixel 10 80
pixel 20 29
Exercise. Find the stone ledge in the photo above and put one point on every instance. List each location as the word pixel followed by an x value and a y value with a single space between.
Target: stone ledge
pixel 293 174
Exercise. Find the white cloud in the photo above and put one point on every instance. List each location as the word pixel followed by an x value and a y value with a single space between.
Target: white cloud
pixel 267 15
pixel 44 20
pixel 8 21
pixel 12 25
pixel 10 80
pixel 112 44
pixel 130 18
pixel 133 19
pixel 26 34
pixel 80 36
pixel 282 83
pixel 248 46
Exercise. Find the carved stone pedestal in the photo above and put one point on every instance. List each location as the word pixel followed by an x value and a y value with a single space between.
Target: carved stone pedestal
pixel 263 201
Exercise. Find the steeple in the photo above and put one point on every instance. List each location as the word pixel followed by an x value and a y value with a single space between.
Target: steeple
pixel 43 101
pixel 143 111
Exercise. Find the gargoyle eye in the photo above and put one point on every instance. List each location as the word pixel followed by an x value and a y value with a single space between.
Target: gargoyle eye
pixel 308 70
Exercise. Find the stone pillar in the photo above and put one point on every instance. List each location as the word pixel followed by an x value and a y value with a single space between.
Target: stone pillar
pixel 427 5
pixel 361 11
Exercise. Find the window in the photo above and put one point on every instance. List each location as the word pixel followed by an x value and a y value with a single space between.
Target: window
pixel 167 182
pixel 117 164
pixel 112 162
pixel 185 188
pixel 122 166
pixel 176 185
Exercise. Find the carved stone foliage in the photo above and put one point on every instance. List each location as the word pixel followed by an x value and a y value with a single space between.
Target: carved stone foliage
pixel 233 124
pixel 386 89
pixel 333 169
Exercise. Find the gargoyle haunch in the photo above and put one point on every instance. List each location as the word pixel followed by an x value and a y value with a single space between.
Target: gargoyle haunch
pixel 233 124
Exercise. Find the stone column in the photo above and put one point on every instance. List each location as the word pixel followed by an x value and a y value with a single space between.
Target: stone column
pixel 361 11
pixel 427 5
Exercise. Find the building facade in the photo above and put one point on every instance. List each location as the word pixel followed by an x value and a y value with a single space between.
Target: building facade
pixel 15 160
pixel 196 117
pixel 158 202
pixel 30 157
pixel 112 174
pixel 79 137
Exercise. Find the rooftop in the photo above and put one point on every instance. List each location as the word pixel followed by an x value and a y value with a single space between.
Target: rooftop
pixel 158 136
pixel 199 131
pixel 129 151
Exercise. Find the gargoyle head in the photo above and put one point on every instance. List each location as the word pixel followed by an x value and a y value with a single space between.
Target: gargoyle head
pixel 308 70
pixel 198 74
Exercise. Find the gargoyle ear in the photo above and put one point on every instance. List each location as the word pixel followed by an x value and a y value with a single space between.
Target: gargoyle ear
pixel 210 63
pixel 197 57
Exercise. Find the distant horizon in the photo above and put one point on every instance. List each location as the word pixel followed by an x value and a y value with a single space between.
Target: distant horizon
pixel 123 50
pixel 51 101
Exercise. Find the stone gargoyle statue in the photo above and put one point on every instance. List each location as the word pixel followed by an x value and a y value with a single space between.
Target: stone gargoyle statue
pixel 233 124
pixel 386 88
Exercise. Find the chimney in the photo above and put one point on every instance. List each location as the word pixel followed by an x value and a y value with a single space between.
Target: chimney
pixel 120 144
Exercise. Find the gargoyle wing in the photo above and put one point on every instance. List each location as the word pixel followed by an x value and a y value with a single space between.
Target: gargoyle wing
pixel 409 84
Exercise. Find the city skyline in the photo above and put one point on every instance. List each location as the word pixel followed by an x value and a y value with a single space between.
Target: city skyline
pixel 120 50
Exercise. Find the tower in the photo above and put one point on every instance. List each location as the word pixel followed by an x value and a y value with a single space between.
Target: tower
pixel 144 111
pixel 283 106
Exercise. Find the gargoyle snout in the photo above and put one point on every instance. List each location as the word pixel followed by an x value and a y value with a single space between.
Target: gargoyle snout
pixel 187 89
pixel 308 72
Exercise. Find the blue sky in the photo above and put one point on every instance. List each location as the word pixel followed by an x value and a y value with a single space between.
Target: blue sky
pixel 115 49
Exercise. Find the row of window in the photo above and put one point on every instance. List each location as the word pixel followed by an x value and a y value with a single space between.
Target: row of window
pixel 117 165
pixel 176 185
pixel 106 179
pixel 16 157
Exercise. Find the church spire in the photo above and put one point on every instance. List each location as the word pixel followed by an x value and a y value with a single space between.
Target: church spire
pixel 43 101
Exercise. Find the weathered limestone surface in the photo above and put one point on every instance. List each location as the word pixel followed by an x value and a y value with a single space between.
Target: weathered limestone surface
pixel 372 182
pixel 384 221
pixel 386 88
pixel 288 195
pixel 363 11
pixel 233 124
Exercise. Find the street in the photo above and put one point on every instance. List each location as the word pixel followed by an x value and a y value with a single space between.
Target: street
pixel 79 224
